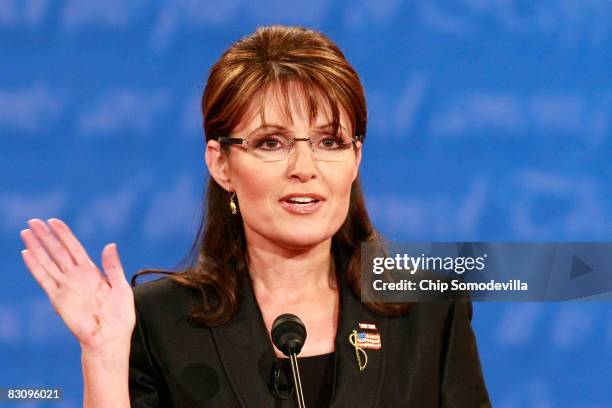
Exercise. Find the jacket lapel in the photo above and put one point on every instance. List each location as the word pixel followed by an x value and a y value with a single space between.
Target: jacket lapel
pixel 351 385
pixel 246 353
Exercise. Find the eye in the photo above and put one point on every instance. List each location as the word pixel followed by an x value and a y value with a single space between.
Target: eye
pixel 330 142
pixel 269 142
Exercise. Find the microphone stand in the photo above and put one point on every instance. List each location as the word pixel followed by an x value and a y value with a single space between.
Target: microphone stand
pixel 297 381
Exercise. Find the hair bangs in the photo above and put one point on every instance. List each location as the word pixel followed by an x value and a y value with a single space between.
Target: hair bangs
pixel 304 94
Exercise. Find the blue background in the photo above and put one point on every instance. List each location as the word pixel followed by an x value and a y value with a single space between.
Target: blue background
pixel 489 120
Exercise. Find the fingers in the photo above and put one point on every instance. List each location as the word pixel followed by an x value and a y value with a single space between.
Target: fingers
pixel 45 280
pixel 67 238
pixel 37 260
pixel 112 265
pixel 53 250
pixel 56 250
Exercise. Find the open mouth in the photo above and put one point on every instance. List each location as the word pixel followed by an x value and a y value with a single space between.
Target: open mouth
pixel 302 200
pixel 298 204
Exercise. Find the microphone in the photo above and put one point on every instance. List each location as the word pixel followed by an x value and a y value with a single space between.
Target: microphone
pixel 289 335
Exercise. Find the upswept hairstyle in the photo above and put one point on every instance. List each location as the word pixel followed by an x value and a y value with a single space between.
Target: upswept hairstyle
pixel 271 59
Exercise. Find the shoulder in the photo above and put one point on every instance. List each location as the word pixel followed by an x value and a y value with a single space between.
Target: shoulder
pixel 164 286
pixel 433 319
pixel 441 305
pixel 445 309
pixel 164 299
pixel 155 290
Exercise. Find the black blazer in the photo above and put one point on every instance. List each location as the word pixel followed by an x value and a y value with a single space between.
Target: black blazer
pixel 428 357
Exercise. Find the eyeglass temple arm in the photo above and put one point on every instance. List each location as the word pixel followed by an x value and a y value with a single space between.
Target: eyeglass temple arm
pixel 230 140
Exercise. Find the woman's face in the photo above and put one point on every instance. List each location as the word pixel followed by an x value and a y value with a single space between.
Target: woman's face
pixel 268 192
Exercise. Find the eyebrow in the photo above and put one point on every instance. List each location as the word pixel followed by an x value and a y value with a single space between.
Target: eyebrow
pixel 281 127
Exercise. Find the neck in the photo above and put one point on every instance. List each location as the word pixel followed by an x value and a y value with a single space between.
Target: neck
pixel 289 274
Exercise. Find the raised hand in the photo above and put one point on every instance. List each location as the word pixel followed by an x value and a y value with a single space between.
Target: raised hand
pixel 97 308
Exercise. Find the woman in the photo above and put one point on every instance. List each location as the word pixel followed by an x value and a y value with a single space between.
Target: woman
pixel 285 119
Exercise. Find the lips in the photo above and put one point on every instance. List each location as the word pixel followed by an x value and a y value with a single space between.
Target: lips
pixel 302 203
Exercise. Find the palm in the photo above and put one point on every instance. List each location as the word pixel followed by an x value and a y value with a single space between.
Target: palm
pixel 91 309
pixel 97 308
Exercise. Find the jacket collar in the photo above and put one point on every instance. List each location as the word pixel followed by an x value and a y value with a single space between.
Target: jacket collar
pixel 247 355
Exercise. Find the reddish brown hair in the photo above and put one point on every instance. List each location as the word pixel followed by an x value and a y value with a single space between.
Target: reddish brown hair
pixel 272 58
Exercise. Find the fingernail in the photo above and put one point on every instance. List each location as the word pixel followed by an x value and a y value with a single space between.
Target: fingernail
pixel 34 221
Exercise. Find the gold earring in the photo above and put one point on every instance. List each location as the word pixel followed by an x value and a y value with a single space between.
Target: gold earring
pixel 232 203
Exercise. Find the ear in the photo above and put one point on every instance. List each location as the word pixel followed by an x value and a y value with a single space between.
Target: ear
pixel 218 164
pixel 358 146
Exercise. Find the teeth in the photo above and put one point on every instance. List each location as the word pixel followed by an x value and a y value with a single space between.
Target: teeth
pixel 303 200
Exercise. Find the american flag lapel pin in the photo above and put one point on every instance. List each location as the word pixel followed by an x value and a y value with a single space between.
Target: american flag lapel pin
pixel 366 337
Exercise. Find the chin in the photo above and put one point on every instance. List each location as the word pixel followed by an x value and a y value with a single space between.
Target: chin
pixel 304 240
pixel 297 233
pixel 303 237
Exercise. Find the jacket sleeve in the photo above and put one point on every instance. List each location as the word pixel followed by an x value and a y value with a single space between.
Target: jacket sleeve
pixel 144 382
pixel 462 381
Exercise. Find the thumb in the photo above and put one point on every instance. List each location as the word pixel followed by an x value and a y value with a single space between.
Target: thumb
pixel 112 265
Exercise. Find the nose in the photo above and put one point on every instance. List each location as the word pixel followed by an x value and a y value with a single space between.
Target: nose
pixel 301 162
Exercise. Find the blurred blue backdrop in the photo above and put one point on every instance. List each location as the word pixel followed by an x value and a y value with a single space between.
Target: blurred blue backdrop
pixel 489 120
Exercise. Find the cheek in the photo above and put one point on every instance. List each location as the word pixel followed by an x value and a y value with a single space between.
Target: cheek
pixel 340 186
pixel 344 179
pixel 256 187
